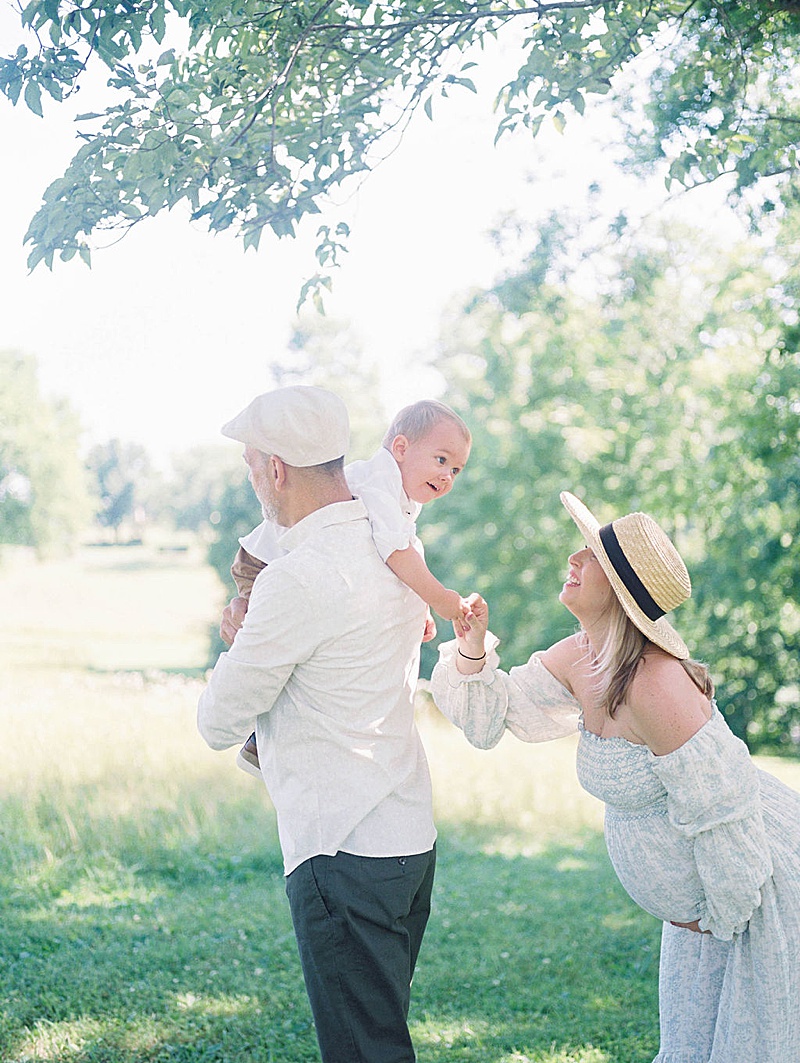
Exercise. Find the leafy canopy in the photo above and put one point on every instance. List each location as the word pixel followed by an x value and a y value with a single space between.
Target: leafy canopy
pixel 266 106
pixel 645 386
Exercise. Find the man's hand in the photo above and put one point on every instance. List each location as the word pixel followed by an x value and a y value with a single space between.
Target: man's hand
pixel 232 619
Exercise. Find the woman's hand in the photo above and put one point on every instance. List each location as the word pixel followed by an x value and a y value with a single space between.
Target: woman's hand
pixel 470 632
pixel 694 926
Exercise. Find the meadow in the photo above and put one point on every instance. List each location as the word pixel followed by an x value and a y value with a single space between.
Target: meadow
pixel 142 909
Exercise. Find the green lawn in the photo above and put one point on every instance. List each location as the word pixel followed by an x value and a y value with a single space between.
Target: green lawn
pixel 142 912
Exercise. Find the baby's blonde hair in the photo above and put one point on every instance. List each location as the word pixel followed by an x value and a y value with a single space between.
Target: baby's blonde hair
pixel 416 420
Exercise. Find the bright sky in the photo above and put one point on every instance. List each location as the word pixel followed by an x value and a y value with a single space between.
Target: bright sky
pixel 170 332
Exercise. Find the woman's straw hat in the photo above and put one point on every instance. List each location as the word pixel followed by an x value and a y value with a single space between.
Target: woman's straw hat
pixel 645 570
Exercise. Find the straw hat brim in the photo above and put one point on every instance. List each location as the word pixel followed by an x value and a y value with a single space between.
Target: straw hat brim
pixel 658 631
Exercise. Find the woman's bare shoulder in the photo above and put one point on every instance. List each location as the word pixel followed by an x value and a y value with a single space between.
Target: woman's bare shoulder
pixel 561 658
pixel 666 707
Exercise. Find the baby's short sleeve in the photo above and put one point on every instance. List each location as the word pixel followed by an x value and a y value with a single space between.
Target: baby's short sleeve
pixel 392 517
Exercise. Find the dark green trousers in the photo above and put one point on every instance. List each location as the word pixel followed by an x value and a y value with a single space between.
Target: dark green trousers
pixel 359 923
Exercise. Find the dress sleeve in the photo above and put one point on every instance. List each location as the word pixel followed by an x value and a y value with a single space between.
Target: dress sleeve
pixel 713 797
pixel 528 701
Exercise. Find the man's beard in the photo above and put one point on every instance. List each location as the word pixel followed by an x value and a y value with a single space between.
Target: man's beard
pixel 269 510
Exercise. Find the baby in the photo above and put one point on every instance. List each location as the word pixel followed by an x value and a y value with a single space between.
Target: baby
pixel 425 448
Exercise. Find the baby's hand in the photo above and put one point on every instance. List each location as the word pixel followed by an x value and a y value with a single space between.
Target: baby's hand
pixel 475 619
pixel 461 623
pixel 451 606
pixel 430 628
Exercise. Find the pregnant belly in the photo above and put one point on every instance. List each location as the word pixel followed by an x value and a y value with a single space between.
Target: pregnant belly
pixel 656 866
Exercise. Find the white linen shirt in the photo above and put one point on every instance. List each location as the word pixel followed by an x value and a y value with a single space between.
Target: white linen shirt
pixel 324 670
pixel 379 484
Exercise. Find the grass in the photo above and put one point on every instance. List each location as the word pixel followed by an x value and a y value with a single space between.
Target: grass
pixel 142 910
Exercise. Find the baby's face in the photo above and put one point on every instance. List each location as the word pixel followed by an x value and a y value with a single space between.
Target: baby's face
pixel 429 465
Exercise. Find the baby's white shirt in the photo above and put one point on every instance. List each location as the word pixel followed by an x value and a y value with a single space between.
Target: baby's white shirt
pixel 379 484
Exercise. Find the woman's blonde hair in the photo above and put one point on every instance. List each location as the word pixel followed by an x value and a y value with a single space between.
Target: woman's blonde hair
pixel 618 658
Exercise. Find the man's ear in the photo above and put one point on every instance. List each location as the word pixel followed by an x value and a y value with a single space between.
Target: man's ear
pixel 399 448
pixel 277 472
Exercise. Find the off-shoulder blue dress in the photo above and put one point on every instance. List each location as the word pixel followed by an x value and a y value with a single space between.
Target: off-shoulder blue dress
pixel 700 833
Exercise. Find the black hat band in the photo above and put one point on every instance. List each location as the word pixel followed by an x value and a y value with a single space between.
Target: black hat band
pixel 623 568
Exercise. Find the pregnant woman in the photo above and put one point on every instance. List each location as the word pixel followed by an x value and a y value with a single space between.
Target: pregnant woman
pixel 698 836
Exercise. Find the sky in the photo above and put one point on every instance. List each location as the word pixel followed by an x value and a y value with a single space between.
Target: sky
pixel 171 331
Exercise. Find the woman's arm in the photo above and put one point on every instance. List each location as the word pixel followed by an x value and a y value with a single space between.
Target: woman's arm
pixel 713 798
pixel 471 637
pixel 483 701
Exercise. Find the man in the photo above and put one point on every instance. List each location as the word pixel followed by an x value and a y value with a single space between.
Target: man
pixel 324 670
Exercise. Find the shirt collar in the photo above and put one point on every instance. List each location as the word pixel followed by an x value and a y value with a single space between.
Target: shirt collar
pixel 336 513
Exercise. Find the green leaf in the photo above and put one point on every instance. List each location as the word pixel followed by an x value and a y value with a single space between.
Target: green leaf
pixel 33 97
pixel 251 239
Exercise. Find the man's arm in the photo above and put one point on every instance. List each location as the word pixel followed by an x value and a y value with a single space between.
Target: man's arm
pixel 247 680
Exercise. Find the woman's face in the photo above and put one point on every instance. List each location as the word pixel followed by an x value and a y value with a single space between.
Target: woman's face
pixel 587 592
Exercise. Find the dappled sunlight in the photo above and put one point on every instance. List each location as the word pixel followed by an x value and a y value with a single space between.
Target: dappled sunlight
pixel 143 901
pixel 75 1038
pixel 481 1041
pixel 110 886
pixel 449 1036
pixel 572 863
pixel 58 1040
pixel 620 920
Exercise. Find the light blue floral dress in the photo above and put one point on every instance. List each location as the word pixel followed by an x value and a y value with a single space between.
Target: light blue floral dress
pixel 698 834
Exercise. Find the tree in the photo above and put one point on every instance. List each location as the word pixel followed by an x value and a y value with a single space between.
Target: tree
pixel 267 108
pixel 325 353
pixel 189 497
pixel 651 386
pixel 120 471
pixel 239 512
pixel 748 594
pixel 43 491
